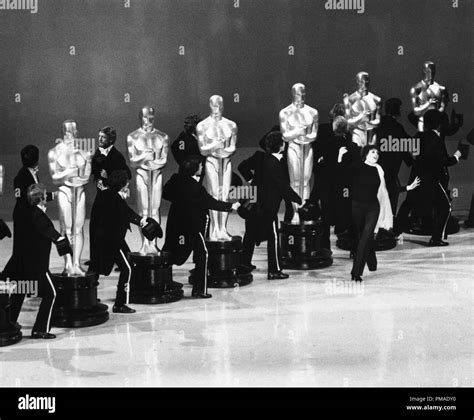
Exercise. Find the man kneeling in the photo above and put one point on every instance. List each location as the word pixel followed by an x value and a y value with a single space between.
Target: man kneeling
pixel 188 219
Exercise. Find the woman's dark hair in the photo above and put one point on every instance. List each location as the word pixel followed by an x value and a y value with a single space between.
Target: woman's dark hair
pixel 340 125
pixel 190 165
pixel 110 132
pixel 261 142
pixel 35 194
pixel 190 123
pixel 338 110
pixel 117 179
pixel 366 149
pixel 273 142
pixel 29 156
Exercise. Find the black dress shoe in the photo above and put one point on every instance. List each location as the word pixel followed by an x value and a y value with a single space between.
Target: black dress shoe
pixel 123 309
pixel 356 277
pixel 279 275
pixel 438 242
pixel 42 335
pixel 201 295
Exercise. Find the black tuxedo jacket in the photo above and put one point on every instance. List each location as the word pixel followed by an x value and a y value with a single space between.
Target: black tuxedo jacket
pixel 432 163
pixel 21 220
pixel 274 186
pixel 113 221
pixel 252 168
pixel 391 161
pixel 113 161
pixel 190 205
pixel 31 260
pixel 40 238
pixel 21 183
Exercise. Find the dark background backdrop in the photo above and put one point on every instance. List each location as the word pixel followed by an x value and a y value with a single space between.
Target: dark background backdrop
pixel 228 50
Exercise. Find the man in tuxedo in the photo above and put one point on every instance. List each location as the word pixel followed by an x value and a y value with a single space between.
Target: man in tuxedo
pixel 186 144
pixel 332 183
pixel 274 188
pixel 322 192
pixel 27 176
pixel 188 219
pixel 431 166
pixel 110 248
pixel 105 160
pixel 391 161
pixel 252 171
pixel 39 234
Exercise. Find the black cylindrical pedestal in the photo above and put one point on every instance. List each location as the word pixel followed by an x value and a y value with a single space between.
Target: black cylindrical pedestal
pixel 384 240
pixel 76 303
pixel 414 228
pixel 152 279
pixel 10 332
pixel 224 261
pixel 301 247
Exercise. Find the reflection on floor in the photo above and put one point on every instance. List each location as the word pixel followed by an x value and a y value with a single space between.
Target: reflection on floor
pixel 409 324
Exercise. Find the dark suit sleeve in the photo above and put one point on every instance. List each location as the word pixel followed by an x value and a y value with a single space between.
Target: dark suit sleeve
pixel 129 214
pixel 43 225
pixel 442 155
pixel 120 163
pixel 248 167
pixel 211 203
pixel 95 165
pixel 402 189
pixel 283 185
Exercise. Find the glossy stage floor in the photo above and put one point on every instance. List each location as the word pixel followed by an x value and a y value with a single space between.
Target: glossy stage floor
pixel 408 324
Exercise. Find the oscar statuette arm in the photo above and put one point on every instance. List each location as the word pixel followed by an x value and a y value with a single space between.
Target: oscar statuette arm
pixel 287 133
pixel 207 148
